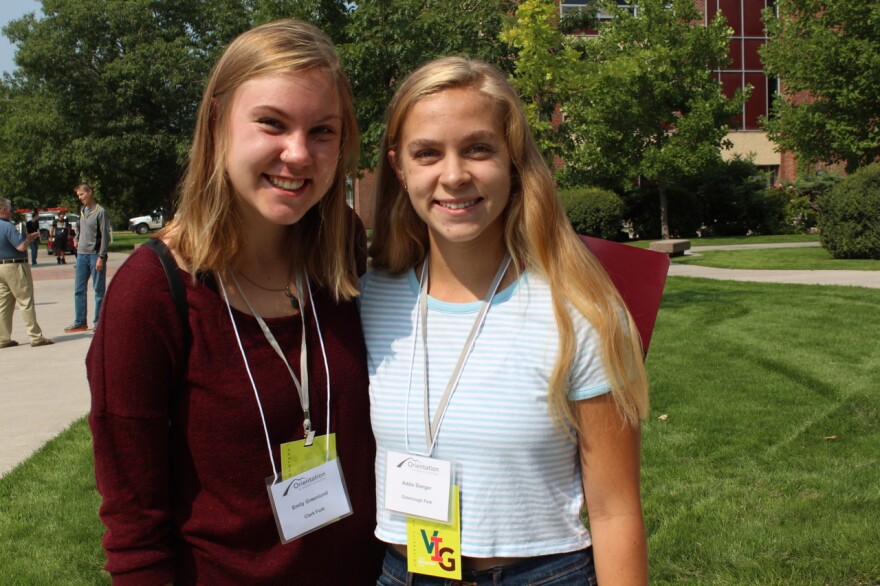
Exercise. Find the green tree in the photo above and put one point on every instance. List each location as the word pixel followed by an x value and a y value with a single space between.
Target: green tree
pixel 118 82
pixel 386 40
pixel 106 91
pixel 331 16
pixel 827 55
pixel 648 105
pixel 545 70
pixel 30 163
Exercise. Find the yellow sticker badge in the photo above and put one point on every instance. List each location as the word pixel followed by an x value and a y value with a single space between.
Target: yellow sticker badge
pixel 296 457
pixel 434 548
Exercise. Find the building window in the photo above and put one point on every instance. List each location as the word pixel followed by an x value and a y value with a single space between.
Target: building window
pixel 745 67
pixel 571 6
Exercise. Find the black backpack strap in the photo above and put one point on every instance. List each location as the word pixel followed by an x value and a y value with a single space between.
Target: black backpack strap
pixel 175 283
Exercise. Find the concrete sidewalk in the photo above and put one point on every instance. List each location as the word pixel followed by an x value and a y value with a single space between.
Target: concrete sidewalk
pixel 44 389
pixel 849 278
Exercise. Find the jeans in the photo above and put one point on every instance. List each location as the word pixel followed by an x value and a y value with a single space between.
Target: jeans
pixel 35 246
pixel 85 267
pixel 562 569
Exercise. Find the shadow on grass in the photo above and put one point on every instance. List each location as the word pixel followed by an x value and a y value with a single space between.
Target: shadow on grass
pixel 709 307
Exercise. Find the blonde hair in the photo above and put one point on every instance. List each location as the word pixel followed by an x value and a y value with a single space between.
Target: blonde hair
pixel 206 230
pixel 537 235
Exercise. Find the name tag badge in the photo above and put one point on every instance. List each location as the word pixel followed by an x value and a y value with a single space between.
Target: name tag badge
pixel 418 486
pixel 308 501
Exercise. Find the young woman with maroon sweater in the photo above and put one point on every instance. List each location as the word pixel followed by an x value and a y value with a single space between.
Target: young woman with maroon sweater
pixel 188 418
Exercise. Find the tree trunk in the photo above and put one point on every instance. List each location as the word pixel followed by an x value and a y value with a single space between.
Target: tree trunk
pixel 664 212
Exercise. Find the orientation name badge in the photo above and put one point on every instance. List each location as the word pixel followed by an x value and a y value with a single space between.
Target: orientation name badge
pixel 308 501
pixel 418 486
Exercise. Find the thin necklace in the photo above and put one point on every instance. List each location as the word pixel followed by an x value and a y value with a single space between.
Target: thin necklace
pixel 286 289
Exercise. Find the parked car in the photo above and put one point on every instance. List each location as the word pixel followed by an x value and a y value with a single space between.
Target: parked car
pixel 143 224
pixel 71 235
pixel 46 219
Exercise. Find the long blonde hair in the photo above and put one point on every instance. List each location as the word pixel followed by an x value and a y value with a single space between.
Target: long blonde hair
pixel 537 234
pixel 207 231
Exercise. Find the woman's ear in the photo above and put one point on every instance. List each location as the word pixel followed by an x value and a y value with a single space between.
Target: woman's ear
pixel 392 158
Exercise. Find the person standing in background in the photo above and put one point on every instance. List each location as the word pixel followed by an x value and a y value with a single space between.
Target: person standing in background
pixel 60 229
pixel 32 226
pixel 16 283
pixel 92 238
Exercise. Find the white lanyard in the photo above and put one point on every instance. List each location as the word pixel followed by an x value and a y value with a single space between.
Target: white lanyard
pixel 432 429
pixel 302 389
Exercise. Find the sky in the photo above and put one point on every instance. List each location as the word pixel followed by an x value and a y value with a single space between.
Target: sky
pixel 11 10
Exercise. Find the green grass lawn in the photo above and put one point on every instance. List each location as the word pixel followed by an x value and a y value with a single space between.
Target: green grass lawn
pixel 765 467
pixel 49 529
pixel 810 259
pixel 124 241
pixel 760 458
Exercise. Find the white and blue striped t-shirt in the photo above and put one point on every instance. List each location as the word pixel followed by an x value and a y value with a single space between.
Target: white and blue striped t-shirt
pixel 519 475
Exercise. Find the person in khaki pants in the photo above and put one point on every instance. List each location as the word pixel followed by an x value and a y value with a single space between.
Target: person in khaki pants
pixel 16 283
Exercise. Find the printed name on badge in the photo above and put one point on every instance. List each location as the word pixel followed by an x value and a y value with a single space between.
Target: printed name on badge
pixel 309 501
pixel 418 486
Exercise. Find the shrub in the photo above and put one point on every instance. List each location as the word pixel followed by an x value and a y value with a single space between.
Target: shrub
pixel 849 218
pixel 801 201
pixel 594 212
pixel 733 198
pixel 775 212
pixel 727 199
pixel 643 211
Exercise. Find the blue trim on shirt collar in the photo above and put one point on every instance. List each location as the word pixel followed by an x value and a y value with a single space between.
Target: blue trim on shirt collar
pixel 470 307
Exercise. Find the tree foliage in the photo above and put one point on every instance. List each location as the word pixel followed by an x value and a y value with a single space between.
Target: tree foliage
pixel 638 100
pixel 118 83
pixel 545 70
pixel 106 90
pixel 649 105
pixel 386 40
pixel 827 55
pixel 848 221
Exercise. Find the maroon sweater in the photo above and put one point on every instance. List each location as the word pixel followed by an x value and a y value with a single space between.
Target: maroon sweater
pixel 182 469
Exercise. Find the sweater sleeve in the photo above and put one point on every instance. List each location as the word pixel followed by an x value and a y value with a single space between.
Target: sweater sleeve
pixel 104 227
pixel 133 365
